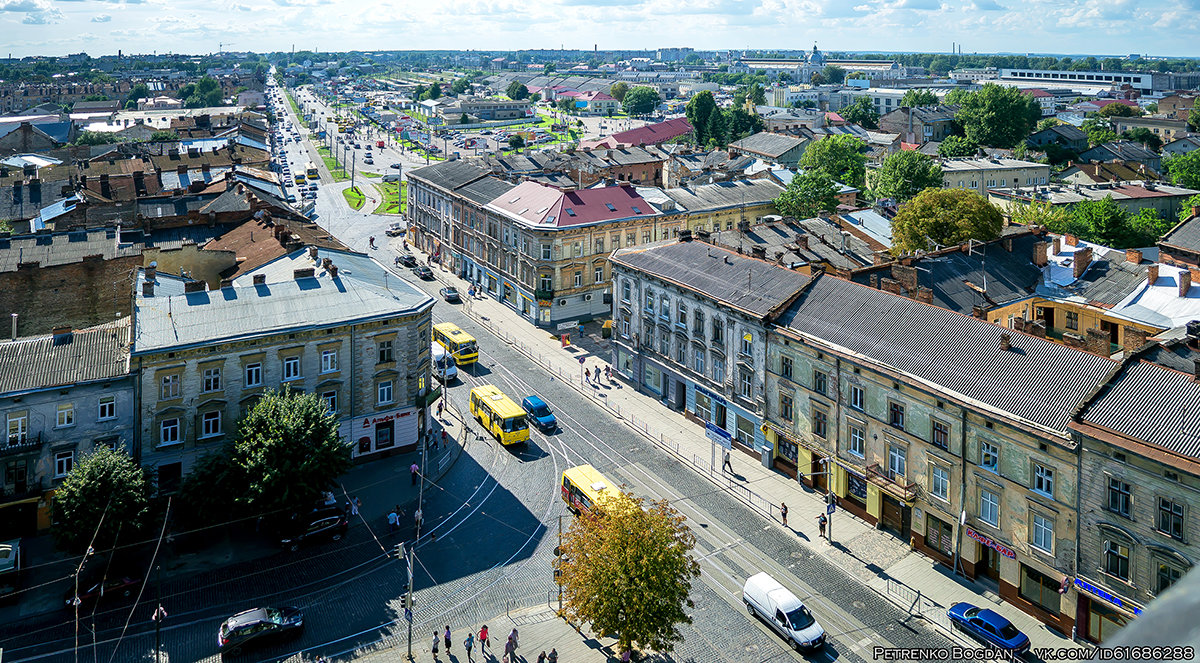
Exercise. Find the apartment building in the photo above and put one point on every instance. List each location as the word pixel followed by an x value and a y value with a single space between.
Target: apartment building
pixel 328 322
pixel 981 174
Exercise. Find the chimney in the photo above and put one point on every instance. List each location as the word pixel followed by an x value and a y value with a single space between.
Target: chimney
pixel 1196 369
pixel 260 279
pixel 333 271
pixel 906 275
pixel 1036 328
pixel 880 258
pixel 147 288
pixel 14 326
pixel 61 332
pixel 194 286
pixel 758 252
pixel 845 241
pixel 1057 245
pixel 1083 258
pixel 924 295
pixel 890 285
pixel 802 241
pixel 303 273
pixel 1098 342
pixel 227 284
pixel 1039 253
pixel 152 271
pixel 1018 324
pixel 1005 342
pixel 1133 256
pixel 875 281
pixel 1195 211
pixel 1193 333
pixel 1185 282
pixel 1152 273
pixel 312 252
pixel 1072 240
pixel 978 311
pixel 1134 338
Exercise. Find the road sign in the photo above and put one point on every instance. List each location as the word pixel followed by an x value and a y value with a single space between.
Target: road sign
pixel 580 360
pixel 408 615
pixel 718 435
pixel 830 509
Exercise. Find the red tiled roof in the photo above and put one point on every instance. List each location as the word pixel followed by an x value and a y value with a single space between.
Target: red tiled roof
pixel 597 95
pixel 1038 93
pixel 834 117
pixel 546 206
pixel 653 134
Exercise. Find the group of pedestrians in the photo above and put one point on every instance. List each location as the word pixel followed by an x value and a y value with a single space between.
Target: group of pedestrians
pixel 510 647
pixel 601 371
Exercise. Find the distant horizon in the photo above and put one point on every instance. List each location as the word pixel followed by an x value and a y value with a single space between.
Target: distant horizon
pixel 55 28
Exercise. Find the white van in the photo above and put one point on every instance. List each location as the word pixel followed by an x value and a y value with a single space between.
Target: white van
pixel 783 612
pixel 443 363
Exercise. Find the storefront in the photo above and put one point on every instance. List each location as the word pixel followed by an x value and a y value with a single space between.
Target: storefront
pixel 1101 613
pixel 938 539
pixel 395 431
pixel 987 556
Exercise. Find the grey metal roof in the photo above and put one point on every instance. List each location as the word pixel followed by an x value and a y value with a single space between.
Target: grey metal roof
pixel 1173 397
pixel 1185 235
pixel 724 195
pixel 768 144
pixel 62 248
pixel 1037 380
pixel 484 190
pixel 1109 278
pixel 95 353
pixel 449 174
pixel 364 289
pixel 752 285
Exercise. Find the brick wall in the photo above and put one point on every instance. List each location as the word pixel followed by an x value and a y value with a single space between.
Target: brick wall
pixel 79 294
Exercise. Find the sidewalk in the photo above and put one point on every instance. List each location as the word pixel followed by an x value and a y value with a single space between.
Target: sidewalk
pixel 879 560
pixel 538 630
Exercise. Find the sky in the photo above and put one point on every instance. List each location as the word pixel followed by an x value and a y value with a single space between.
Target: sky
pixel 101 27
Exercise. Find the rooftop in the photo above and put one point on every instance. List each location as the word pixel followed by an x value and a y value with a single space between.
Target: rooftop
pixel 724 195
pixel 1141 387
pixel 770 145
pixel 84 355
pixel 964 164
pixel 546 207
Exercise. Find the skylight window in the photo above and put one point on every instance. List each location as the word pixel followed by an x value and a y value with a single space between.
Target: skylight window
pixel 570 212
pixel 514 200
pixel 523 211
pixel 636 210
pixel 610 207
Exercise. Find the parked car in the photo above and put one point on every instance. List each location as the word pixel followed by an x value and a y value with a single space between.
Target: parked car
pixel 540 413
pixel 369 161
pixel 257 627
pixel 787 615
pixel 94 588
pixel 291 198
pixel 423 272
pixel 327 524
pixel 406 259
pixel 394 230
pixel 990 626
pixel 396 166
pixel 450 294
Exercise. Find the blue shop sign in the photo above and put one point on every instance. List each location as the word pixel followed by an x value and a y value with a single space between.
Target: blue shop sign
pixel 719 399
pixel 1092 589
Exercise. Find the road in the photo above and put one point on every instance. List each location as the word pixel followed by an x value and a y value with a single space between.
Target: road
pixel 493 522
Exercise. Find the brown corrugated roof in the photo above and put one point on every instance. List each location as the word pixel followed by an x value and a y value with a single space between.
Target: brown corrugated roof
pixel 37 362
pixel 254 243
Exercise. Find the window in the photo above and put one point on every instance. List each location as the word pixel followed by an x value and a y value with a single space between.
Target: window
pixel 625 327
pixel 630 239
pixel 896 414
pixel 169 387
pixel 989 455
pixel 168 432
pixel 626 290
pixel 1043 480
pixel 329 362
pixel 718 332
pixel 785 406
pixel 681 353
pixel 698 324
pixel 1043 533
pixel 253 375
pixel 66 415
pixel 857 435
pixel 664 308
pixel 664 344
pixel 1170 518
pixel 820 382
pixel 820 423
pixel 718 369
pixel 385 352
pixel 698 361
pixel 681 316
pixel 291 368
pixel 747 347
pixel 1072 320
pixel 1040 589
pixel 599 245
pixel 646 237
pixel 545 282
pixel 649 305
pixel 1167 575
pixel 785 367
pixel 63 461
pixel 210 424
pixel 857 398
pixel 212 379
pixel 746 388
pixel 329 398
pixel 107 408
pixel 578 278
pixel 1116 560
pixel 577 250
pixel 897 462
pixel 384 392
pixel 939 482
pixel 989 507
pixel 940 434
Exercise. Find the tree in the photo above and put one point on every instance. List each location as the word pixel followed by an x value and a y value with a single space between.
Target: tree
pixel 1193 118
pixel 566 104
pixel 435 91
pixel 1185 210
pixel 944 216
pixel 1145 228
pixel 618 90
pixel 1143 136
pixel 550 68
pixel 204 93
pixel 106 494
pixel 516 141
pixel 516 90
pixel 1116 109
pixel 460 85
pixel 740 123
pixel 697 111
pixel 163 136
pixel 535 97
pixel 1100 221
pixel 905 174
pixel 756 94
pixel 1098 131
pixel 1042 125
pixel 833 74
pixel 809 193
pixel 1037 213
pixel 629 572
pixel 1184 169
pixel 998 116
pixel 914 98
pixel 640 101
pixel 717 130
pixel 957 146
pixel 463 119
pixel 817 78
pixel 95 138
pixel 841 157
pixel 1151 108
pixel 862 113
pixel 956 96
pixel 419 92
pixel 139 91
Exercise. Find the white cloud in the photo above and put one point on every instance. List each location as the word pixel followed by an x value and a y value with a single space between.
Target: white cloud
pixel 101 18
pixel 23 5
pixel 51 15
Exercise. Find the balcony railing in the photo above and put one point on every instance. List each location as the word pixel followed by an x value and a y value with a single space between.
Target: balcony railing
pixel 543 294
pixel 896 488
pixel 14 444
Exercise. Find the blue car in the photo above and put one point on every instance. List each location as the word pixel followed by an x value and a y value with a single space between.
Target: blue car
pixel 542 417
pixel 989 626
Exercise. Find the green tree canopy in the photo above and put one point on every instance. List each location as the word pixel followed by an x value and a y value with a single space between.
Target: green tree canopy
pixel 944 216
pixel 833 74
pixel 435 91
pixel 998 116
pixel 1143 136
pixel 201 94
pixel 516 90
pixel 106 494
pixel 904 174
pixel 1105 222
pixel 956 96
pixel 419 91
pixel 1118 110
pixel 95 138
pixel 464 119
pixel 138 91
pixel 1047 123
pixel 914 98
pixel 756 94
pixel 460 85
pixel 566 104
pixel 740 123
pixel 535 97
pixel 717 129
pixel 841 157
pixel 1037 213
pixel 1098 131
pixel 698 110
pixel 862 113
pixel 641 100
pixel 957 146
pixel 618 90
pixel 809 193
pixel 516 141
pixel 629 572
pixel 1184 169
pixel 163 136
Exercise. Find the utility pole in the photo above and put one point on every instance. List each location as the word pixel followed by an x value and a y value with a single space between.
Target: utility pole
pixel 558 567
pixel 159 615
pixel 408 598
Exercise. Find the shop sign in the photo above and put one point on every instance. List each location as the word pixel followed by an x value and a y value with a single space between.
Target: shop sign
pixel 998 547
pixel 1107 596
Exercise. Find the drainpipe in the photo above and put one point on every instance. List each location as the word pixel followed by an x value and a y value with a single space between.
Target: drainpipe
pixel 962 492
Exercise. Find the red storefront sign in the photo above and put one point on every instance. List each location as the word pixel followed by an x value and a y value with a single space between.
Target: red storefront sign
pixel 998 547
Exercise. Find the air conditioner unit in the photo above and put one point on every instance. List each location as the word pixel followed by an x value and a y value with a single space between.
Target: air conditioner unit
pixel 562 302
pixel 587 298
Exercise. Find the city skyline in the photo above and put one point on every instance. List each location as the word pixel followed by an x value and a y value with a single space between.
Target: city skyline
pixel 58 27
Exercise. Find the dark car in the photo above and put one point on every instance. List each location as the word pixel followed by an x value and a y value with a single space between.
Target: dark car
pixel 542 417
pixel 258 627
pixel 989 626
pixel 327 524
pixel 450 294
pixel 406 259
pixel 396 166
pixel 92 590
pixel 423 272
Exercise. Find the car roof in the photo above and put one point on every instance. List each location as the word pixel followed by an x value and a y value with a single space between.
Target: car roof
pixel 994 618
pixel 247 617
pixel 534 401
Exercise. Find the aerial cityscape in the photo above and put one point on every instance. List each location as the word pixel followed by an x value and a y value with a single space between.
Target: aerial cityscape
pixel 514 333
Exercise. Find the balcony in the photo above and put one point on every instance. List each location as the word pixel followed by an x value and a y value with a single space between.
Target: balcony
pixel 22 490
pixel 16 444
pixel 907 492
pixel 541 294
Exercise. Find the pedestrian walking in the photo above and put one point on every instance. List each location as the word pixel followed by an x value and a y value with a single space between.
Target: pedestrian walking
pixel 608 373
pixel 552 657
pixel 542 657
pixel 483 639
pixel 417 522
pixel 513 636
pixel 587 375
pixel 435 645
pixel 599 372
pixel 441 406
pixel 728 463
pixel 444 435
pixel 510 651
pixel 446 635
pixel 393 521
pixel 783 512
pixel 414 469
pixel 468 644
pixel 821 520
